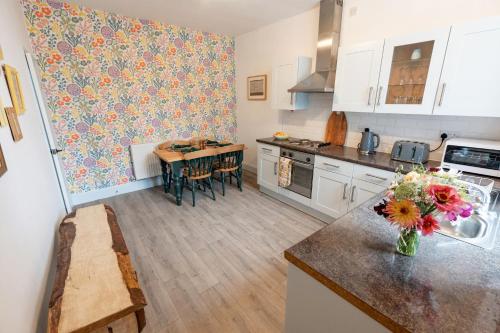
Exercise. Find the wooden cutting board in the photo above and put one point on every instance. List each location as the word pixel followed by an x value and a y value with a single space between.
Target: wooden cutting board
pixel 336 129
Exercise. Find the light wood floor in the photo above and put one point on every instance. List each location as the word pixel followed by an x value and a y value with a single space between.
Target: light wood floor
pixel 216 267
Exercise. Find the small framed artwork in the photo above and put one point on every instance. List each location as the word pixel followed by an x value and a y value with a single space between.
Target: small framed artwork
pixel 5 100
pixel 16 93
pixel 257 88
pixel 3 116
pixel 3 166
pixel 14 124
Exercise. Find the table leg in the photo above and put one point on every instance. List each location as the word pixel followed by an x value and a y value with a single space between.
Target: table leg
pixel 177 178
pixel 164 174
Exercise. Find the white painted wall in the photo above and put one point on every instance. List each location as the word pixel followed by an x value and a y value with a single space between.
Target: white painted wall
pixel 363 20
pixel 256 53
pixel 30 203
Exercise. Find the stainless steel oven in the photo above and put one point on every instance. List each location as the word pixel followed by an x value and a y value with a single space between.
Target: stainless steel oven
pixel 302 171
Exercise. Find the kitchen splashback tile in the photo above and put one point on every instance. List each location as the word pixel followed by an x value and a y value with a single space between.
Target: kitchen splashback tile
pixel 427 128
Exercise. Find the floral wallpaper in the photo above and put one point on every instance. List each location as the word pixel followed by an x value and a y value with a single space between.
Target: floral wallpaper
pixel 111 81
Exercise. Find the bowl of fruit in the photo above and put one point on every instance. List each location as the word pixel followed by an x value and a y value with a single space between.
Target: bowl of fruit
pixel 280 135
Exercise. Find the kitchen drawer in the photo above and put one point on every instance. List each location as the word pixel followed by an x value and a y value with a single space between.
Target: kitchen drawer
pixel 330 164
pixel 268 149
pixel 373 175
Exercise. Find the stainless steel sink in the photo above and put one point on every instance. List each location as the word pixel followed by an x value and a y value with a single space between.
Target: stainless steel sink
pixel 473 227
pixel 480 229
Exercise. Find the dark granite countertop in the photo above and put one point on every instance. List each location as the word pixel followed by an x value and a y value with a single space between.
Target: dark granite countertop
pixel 378 160
pixel 449 286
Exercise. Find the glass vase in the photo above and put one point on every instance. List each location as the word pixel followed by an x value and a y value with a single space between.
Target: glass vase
pixel 408 242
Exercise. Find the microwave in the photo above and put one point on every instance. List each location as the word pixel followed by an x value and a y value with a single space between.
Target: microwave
pixel 475 156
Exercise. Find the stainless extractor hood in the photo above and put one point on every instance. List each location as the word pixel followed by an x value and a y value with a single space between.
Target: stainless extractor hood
pixel 323 79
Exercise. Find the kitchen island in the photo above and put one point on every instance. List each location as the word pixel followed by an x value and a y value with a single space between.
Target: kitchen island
pixel 348 277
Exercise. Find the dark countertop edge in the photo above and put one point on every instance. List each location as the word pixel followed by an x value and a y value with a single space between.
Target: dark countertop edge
pixel 346 295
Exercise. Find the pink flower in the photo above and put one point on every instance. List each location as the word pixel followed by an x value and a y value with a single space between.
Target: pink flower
pixel 451 216
pixel 428 224
pixel 466 210
pixel 446 198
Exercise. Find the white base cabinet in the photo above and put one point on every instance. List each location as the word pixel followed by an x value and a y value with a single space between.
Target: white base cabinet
pixel 330 192
pixel 362 191
pixel 267 168
pixel 339 186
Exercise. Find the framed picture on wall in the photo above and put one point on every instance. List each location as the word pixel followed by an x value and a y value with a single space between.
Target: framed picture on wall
pixel 16 93
pixel 257 88
pixel 3 116
pixel 5 100
pixel 3 166
pixel 15 128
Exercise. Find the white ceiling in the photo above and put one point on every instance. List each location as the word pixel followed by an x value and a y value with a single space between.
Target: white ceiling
pixel 230 17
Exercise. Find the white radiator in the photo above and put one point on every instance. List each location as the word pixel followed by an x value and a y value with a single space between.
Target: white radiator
pixel 145 163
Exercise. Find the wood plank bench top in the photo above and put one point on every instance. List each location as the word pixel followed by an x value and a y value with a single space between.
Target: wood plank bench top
pixel 95 282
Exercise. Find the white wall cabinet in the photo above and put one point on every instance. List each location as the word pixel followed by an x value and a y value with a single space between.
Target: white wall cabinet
pixel 451 71
pixel 356 81
pixel 284 77
pixel 330 192
pixel 267 168
pixel 409 74
pixel 471 72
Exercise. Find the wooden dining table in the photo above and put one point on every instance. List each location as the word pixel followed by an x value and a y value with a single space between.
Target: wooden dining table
pixel 172 161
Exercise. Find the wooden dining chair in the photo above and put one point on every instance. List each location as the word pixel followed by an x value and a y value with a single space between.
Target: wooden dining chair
pixel 199 167
pixel 229 163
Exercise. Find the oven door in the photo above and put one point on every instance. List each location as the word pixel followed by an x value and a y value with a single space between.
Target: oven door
pixel 302 178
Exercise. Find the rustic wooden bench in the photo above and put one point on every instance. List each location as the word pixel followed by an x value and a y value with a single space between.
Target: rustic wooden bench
pixel 96 287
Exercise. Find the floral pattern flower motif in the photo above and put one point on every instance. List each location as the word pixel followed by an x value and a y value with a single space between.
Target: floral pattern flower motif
pixel 111 81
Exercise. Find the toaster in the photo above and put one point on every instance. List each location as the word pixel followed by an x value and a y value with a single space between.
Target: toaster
pixel 410 151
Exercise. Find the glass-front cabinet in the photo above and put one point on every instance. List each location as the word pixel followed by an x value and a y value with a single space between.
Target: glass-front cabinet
pixel 409 74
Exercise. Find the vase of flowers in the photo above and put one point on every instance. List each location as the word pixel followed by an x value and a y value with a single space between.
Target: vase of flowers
pixel 418 201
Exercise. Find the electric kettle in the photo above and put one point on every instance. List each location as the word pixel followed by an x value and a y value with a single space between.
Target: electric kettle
pixel 368 143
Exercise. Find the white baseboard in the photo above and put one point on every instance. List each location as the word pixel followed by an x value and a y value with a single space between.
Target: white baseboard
pixel 249 168
pixel 81 198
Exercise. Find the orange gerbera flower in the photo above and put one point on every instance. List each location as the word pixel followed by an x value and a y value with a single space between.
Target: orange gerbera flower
pixel 404 213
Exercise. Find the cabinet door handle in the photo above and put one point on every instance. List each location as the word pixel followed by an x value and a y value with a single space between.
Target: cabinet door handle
pixel 331 165
pixel 379 95
pixel 352 192
pixel 275 168
pixel 442 94
pixel 267 149
pixel 370 95
pixel 291 98
pixel 377 177
pixel 344 196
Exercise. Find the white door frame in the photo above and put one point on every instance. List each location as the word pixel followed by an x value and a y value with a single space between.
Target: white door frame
pixel 53 150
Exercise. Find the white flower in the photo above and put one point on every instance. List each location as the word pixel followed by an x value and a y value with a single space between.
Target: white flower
pixel 411 176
